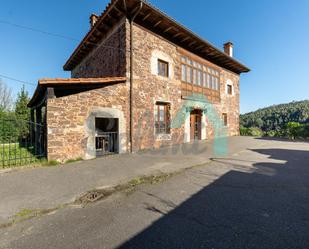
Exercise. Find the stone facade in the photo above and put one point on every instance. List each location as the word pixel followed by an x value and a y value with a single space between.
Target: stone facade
pixel 108 59
pixel 69 117
pixel 149 88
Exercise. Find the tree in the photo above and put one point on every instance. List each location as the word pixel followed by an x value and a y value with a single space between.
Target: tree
pixel 5 97
pixel 21 109
pixel 22 112
pixel 292 129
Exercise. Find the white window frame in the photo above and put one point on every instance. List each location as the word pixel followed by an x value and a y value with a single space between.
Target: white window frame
pixel 229 83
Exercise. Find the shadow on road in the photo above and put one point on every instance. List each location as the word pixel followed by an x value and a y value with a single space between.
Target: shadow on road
pixel 240 210
pixel 281 139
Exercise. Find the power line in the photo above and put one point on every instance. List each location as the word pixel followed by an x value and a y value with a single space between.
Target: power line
pixel 50 34
pixel 17 80
pixel 37 30
pixel 54 34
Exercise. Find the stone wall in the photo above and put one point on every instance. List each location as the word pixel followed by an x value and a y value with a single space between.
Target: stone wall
pixel 149 88
pixel 230 103
pixel 68 120
pixel 108 59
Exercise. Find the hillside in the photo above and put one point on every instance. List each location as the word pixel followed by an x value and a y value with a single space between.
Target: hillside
pixel 275 118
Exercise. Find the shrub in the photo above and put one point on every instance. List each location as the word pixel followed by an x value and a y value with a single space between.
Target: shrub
pixel 271 134
pixel 255 131
pixel 244 131
pixel 252 131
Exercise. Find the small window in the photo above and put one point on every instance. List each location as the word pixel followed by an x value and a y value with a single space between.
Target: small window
pixel 229 89
pixel 204 80
pixel 184 73
pixel 162 118
pixel 162 68
pixel 224 117
pixel 189 74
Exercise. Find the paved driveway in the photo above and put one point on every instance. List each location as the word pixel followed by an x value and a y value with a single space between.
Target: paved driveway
pixel 44 188
pixel 254 198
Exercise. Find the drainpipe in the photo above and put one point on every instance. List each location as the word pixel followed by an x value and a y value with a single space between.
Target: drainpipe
pixel 131 75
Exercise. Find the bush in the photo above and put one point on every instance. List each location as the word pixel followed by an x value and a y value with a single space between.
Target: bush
pixel 252 131
pixel 271 134
pixel 255 131
pixel 244 131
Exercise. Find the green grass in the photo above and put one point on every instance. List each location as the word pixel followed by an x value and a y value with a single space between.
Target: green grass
pixel 51 163
pixel 74 160
pixel 12 155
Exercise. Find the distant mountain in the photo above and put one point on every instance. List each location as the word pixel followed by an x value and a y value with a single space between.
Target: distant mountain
pixel 275 118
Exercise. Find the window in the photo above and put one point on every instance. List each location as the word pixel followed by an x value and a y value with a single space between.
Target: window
pixel 224 118
pixel 189 75
pixel 229 89
pixel 162 68
pixel 199 74
pixel 162 118
pixel 184 73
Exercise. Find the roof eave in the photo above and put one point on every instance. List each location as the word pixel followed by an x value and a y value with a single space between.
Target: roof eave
pixel 236 66
pixel 59 82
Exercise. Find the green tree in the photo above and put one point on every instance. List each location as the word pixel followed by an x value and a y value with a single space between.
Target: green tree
pixel 22 112
pixel 292 129
pixel 21 109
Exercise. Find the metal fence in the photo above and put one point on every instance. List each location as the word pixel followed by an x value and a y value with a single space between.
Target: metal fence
pixel 106 143
pixel 21 142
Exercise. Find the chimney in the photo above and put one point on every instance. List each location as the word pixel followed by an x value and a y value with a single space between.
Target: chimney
pixel 93 20
pixel 228 48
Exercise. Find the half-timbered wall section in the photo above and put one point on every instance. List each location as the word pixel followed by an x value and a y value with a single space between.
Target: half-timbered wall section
pixel 198 76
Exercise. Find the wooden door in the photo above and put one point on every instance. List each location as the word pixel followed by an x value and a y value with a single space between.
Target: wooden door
pixel 196 125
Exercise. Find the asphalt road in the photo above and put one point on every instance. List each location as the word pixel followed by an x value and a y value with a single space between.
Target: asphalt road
pixel 256 198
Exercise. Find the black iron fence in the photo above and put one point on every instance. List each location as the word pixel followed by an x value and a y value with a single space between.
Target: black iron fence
pixel 21 142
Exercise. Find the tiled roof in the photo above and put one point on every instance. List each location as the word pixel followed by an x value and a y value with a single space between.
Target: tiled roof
pixel 40 91
pixel 76 81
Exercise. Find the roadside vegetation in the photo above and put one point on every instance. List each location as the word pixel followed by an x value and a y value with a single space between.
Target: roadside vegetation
pixel 14 155
pixel 16 147
pixel 286 120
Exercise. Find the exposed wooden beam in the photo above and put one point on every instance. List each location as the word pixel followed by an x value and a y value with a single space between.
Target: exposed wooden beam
pixel 111 17
pixel 212 54
pixel 199 47
pixel 185 39
pixel 119 11
pixel 176 35
pixel 192 43
pixel 157 23
pixel 168 29
pixel 135 9
pixel 146 16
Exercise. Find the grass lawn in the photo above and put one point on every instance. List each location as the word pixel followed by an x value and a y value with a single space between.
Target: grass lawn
pixel 12 155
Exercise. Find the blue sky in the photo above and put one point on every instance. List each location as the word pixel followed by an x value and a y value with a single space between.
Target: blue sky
pixel 270 36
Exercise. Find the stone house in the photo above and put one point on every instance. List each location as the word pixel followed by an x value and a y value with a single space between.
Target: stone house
pixel 131 76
